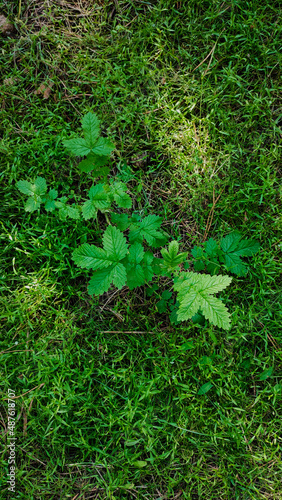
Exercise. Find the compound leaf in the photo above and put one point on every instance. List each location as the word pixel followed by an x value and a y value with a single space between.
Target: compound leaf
pixel 98 196
pixel 215 311
pixel 196 292
pixel 98 200
pixel 173 248
pixel 230 242
pixel 235 264
pixel 171 257
pixel 233 248
pixel 91 129
pixel 197 252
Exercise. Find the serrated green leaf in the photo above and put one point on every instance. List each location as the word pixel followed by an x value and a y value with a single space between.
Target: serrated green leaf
pixel 91 257
pixel 40 186
pixel 115 249
pixel 135 276
pixel 215 311
pixel 119 275
pixel 136 253
pixel 121 220
pixel 72 212
pixel 235 264
pixel 230 242
pixel 52 194
pixel 147 267
pixel 99 197
pixel 199 265
pixel 63 213
pixel 32 203
pixel 89 210
pixel 201 282
pixel 50 200
pixel 233 249
pixel 195 292
pixel 173 249
pixel 211 247
pixel 247 248
pixel 115 243
pixel 205 388
pixel 94 162
pixel 171 259
pixel 118 192
pixel 102 279
pixel 148 228
pixel 197 252
pixel 100 282
pixel 77 146
pixel 25 187
pixel 49 205
pixel 103 147
pixel 123 201
pixel 98 200
pixel 165 254
pixel 91 129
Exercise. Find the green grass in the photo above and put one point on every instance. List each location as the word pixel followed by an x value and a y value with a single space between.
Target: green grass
pixel 119 415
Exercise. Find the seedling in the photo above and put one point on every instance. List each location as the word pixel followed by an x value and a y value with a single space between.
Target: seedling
pixel 126 257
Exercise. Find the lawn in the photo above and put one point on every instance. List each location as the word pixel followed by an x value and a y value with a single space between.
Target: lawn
pixel 107 402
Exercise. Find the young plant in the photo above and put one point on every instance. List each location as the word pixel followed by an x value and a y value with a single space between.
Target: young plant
pixel 126 257
pixel 228 252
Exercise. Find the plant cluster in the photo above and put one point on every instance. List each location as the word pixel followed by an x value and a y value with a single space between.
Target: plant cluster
pixel 126 257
